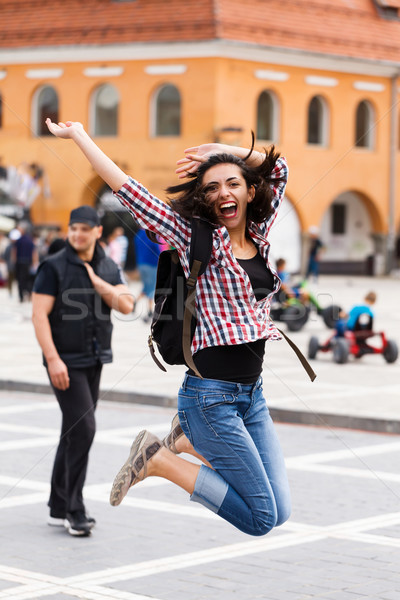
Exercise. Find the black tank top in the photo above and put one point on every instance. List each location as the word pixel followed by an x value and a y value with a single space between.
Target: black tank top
pixel 241 363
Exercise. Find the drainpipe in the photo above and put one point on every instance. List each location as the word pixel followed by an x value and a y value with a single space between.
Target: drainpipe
pixel 391 239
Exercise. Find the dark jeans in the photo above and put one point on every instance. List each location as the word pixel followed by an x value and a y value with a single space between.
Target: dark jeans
pixel 78 405
pixel 24 279
pixel 313 267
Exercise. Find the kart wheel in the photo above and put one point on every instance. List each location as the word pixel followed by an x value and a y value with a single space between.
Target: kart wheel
pixel 391 352
pixel 276 313
pixel 330 315
pixel 340 351
pixel 295 317
pixel 313 347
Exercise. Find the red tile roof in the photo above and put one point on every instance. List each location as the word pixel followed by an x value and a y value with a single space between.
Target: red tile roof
pixel 356 28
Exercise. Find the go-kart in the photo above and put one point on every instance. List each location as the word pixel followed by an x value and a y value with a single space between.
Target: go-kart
pixel 295 311
pixel 354 343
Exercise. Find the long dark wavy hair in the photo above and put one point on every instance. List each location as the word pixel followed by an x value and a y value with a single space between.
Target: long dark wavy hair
pixel 189 199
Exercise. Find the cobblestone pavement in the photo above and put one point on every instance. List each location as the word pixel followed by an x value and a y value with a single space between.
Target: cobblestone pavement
pixel 341 543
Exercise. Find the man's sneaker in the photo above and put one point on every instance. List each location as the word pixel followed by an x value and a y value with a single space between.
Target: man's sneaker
pixel 76 523
pixel 60 521
pixel 91 521
pixel 55 521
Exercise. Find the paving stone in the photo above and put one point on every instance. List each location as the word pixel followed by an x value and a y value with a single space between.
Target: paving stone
pixel 323 569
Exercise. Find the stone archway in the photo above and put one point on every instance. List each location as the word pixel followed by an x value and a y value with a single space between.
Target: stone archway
pixel 351 231
pixel 285 237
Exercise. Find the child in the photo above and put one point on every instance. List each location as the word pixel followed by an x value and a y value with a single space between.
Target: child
pixel 295 291
pixel 361 309
pixel 348 322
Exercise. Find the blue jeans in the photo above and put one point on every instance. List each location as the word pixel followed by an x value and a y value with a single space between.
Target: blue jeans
pixel 148 276
pixel 229 424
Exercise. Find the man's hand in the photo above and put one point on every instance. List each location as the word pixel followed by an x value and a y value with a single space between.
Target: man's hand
pixel 58 373
pixel 117 297
pixel 92 275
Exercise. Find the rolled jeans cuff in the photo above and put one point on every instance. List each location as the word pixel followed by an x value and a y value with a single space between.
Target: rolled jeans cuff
pixel 210 489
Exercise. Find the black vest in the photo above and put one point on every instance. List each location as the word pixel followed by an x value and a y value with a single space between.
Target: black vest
pixel 80 321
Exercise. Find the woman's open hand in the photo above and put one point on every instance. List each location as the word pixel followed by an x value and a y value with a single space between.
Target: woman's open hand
pixel 64 130
pixel 195 156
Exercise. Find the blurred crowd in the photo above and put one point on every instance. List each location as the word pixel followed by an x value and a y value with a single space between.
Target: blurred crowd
pixel 23 248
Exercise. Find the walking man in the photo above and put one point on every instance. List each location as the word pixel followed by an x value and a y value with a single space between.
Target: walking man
pixel 25 259
pixel 74 292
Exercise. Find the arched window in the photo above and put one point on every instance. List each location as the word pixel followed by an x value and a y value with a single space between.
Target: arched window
pixel 317 123
pixel 364 134
pixel 45 104
pixel 267 116
pixel 104 111
pixel 167 114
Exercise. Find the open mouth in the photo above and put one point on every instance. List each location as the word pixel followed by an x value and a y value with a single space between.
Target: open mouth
pixel 228 209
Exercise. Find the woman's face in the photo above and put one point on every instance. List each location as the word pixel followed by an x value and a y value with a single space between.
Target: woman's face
pixel 225 187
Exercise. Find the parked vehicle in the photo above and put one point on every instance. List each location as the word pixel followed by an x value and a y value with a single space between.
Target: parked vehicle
pixel 295 311
pixel 355 343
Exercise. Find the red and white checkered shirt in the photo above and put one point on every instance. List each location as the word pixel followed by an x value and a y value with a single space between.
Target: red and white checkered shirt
pixel 227 310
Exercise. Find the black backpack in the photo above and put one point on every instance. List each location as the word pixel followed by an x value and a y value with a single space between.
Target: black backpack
pixel 173 323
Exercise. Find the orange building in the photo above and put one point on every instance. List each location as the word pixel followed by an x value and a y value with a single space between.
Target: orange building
pixel 148 78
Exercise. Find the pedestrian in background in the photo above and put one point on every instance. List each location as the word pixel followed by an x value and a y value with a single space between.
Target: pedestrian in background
pixel 314 256
pixel 74 292
pixel 147 253
pixel 4 242
pixel 26 262
pixel 117 246
pixel 9 258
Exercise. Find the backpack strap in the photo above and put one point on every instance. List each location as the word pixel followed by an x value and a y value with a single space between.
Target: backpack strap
pixel 310 372
pixel 153 354
pixel 190 305
pixel 200 252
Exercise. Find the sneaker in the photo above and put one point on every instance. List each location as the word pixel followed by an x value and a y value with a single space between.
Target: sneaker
pixel 90 520
pixel 144 447
pixel 56 520
pixel 77 524
pixel 174 435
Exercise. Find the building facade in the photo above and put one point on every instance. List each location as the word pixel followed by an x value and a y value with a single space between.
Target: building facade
pixel 319 79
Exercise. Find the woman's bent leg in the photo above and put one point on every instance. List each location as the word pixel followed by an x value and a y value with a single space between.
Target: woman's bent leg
pixel 211 415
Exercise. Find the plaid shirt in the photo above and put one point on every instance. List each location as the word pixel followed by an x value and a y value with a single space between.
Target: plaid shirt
pixel 227 310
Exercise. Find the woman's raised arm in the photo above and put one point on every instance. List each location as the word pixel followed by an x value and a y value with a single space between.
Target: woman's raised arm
pixel 100 162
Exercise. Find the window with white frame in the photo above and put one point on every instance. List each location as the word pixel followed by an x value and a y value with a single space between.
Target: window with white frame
pixel 104 108
pixel 45 104
pixel 267 116
pixel 364 133
pixel 317 122
pixel 167 111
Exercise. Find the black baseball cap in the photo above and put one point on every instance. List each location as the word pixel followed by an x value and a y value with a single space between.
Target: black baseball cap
pixel 84 214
